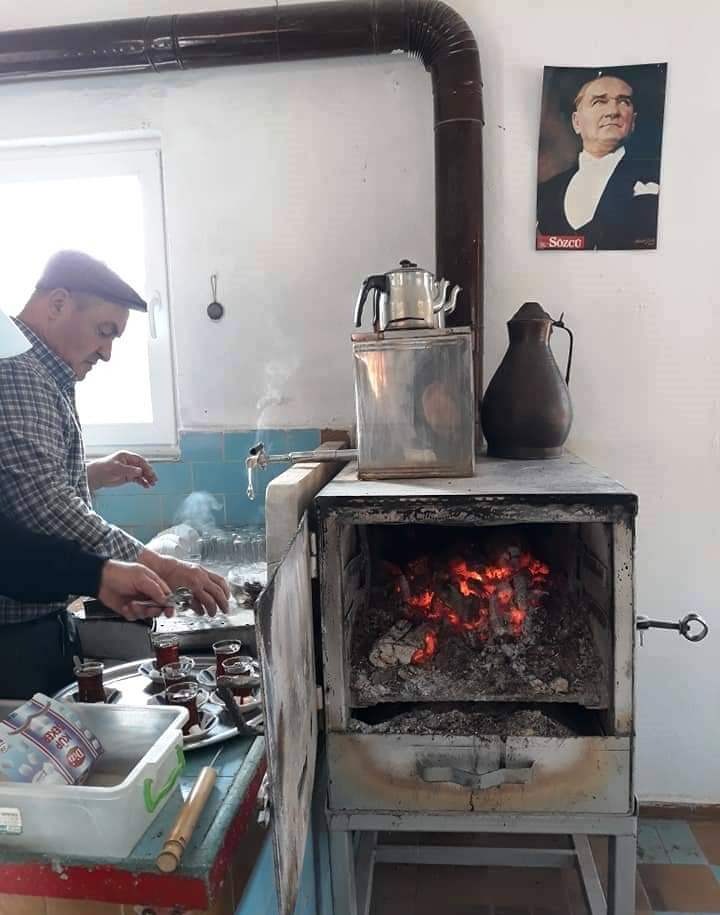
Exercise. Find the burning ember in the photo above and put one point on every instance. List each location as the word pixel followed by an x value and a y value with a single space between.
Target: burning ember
pixel 479 600
pixel 427 651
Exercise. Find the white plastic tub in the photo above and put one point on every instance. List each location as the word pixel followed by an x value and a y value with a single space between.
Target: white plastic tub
pixel 130 784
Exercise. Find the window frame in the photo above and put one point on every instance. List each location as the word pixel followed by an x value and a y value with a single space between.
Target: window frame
pixel 140 156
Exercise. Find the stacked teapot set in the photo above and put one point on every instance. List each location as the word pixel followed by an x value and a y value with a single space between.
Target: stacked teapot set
pixel 526 411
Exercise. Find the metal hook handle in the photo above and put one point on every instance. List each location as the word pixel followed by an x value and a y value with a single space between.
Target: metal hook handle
pixel 563 326
pixel 683 626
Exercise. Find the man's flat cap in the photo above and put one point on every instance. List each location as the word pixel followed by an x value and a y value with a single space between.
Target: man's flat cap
pixel 78 272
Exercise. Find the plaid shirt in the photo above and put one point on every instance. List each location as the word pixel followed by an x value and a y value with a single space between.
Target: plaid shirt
pixel 43 480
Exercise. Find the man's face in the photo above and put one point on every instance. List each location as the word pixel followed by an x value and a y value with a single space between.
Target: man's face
pixel 82 329
pixel 605 115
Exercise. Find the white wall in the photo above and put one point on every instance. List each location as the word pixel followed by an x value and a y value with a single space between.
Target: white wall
pixel 294 182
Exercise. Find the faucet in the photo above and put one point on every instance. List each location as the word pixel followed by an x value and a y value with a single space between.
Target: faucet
pixel 258 458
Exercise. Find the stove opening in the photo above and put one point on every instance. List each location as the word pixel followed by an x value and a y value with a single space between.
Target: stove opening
pixel 511 614
pixel 479 719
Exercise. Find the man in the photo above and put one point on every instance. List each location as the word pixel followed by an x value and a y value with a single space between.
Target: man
pixel 127 588
pixel 608 199
pixel 78 310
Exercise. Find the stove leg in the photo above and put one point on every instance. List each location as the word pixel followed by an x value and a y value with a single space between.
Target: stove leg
pixel 364 870
pixel 342 871
pixel 622 865
pixel 592 887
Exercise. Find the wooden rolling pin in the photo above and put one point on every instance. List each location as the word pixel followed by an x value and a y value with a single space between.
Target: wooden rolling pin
pixel 186 821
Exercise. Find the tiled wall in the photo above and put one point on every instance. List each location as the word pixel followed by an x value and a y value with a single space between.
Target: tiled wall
pixel 212 462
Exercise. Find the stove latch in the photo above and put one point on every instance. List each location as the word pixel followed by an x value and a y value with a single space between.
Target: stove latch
pixel 691 627
pixel 520 775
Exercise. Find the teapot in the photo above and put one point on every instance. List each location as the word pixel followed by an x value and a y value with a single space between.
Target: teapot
pixel 526 411
pixel 408 298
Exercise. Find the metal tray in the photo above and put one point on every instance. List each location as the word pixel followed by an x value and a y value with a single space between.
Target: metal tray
pixel 136 689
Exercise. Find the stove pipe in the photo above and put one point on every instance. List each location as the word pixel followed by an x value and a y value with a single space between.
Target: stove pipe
pixel 428 29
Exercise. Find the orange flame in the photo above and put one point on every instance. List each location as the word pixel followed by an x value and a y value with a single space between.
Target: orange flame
pixel 424 654
pixel 421 601
pixel 536 568
pixel 480 586
pixel 516 618
pixel 498 573
pixel 463 576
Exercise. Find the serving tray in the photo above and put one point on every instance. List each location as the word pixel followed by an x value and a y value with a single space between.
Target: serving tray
pixel 134 688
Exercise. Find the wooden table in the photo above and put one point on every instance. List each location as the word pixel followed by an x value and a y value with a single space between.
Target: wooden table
pixel 211 878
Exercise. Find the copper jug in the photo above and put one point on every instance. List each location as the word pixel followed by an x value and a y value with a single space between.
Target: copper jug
pixel 526 411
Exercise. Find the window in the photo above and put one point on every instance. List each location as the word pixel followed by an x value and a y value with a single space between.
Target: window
pixel 104 198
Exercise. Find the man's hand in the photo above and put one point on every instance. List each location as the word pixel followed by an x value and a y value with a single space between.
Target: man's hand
pixel 121 467
pixel 210 591
pixel 124 584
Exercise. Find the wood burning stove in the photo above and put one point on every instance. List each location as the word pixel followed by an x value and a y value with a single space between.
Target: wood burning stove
pixel 476 653
pixel 478 641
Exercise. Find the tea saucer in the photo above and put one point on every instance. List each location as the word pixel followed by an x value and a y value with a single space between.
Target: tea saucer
pixel 208 720
pixel 148 668
pixel 207 676
pixel 251 703
pixel 159 698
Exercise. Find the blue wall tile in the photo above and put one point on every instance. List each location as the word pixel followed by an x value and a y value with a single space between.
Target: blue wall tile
pixel 172 478
pixel 237 444
pixel 220 477
pixel 302 439
pixel 201 446
pixel 241 511
pixel 144 508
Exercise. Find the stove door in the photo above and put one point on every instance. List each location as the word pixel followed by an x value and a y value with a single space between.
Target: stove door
pixel 285 644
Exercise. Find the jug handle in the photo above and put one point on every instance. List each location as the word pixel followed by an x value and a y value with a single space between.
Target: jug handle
pixel 377 282
pixel 561 324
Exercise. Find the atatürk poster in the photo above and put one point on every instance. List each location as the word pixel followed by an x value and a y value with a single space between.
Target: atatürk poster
pixel 599 158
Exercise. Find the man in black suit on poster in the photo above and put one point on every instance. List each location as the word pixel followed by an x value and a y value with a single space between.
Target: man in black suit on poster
pixel 609 198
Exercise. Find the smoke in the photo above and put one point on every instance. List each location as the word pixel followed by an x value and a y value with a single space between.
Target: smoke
pixel 198 511
pixel 277 375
